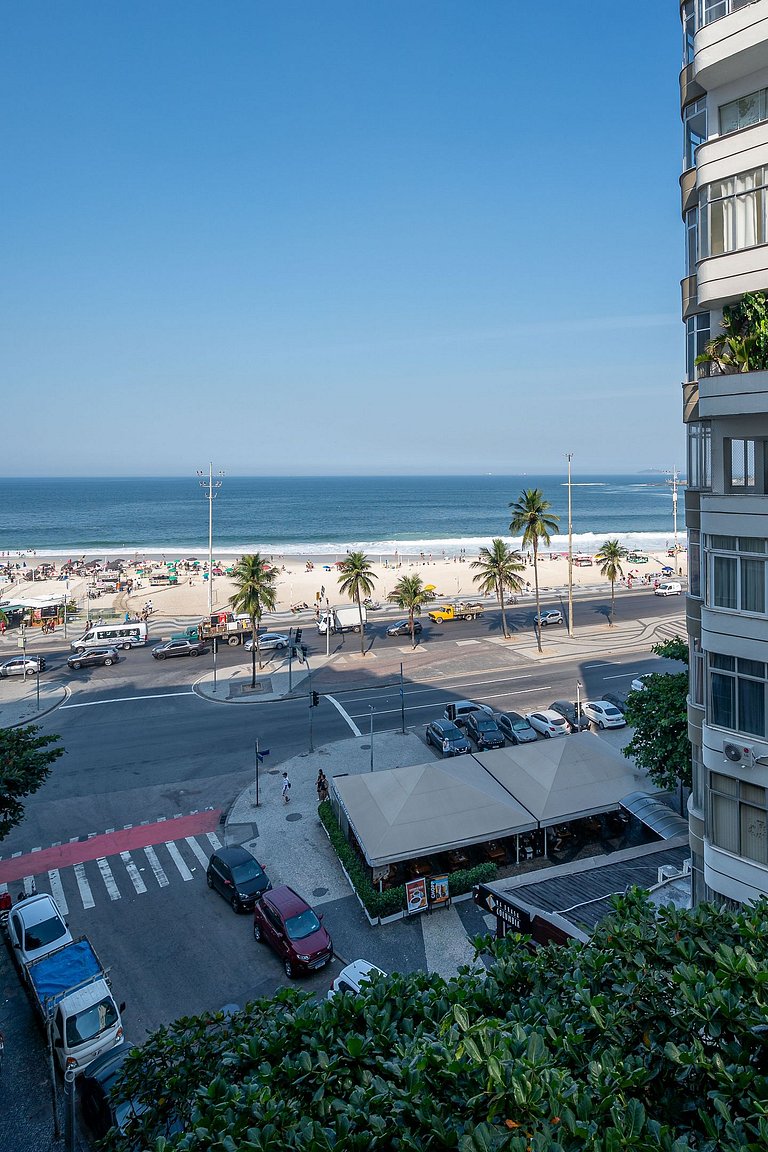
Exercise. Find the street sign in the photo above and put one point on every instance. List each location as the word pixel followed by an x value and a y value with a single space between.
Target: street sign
pixel 261 754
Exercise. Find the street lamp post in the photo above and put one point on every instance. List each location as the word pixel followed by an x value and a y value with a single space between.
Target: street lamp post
pixel 210 487
pixel 569 456
pixel 327 628
pixel 372 710
pixel 578 703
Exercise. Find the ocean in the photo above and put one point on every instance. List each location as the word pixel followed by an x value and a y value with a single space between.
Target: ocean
pixel 324 515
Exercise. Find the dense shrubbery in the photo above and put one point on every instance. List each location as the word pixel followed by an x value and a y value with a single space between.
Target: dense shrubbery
pixel 391 901
pixel 650 1038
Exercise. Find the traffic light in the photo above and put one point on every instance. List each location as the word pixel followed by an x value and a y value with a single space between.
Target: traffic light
pixel 315 700
pixel 297 639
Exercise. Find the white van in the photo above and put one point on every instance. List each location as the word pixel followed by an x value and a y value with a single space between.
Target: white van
pixel 668 588
pixel 130 635
pixel 458 710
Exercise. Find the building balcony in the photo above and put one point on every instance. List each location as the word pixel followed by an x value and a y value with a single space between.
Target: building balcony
pixel 732 393
pixel 689 293
pixel 689 193
pixel 732 44
pixel 691 399
pixel 689 88
pixel 728 276
pixel 724 156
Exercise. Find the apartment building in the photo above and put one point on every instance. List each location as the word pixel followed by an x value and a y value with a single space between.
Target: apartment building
pixel 724 201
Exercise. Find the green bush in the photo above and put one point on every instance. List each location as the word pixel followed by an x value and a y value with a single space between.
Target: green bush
pixel 391 901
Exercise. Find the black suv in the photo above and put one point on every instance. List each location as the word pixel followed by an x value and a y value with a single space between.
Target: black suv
pixel 484 731
pixel 180 648
pixel 447 738
pixel 92 657
pixel 568 711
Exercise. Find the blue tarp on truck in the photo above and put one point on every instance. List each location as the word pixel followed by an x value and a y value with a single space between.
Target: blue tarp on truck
pixel 72 966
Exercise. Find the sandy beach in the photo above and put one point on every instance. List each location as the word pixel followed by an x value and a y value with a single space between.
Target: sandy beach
pixel 307 581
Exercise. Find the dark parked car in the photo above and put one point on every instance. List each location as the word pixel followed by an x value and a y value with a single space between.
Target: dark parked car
pixel 619 702
pixel 18 665
pixel 103 1108
pixel 237 876
pixel 403 628
pixel 180 648
pixel 515 727
pixel 293 930
pixel 93 657
pixel 447 738
pixel 568 709
pixel 484 731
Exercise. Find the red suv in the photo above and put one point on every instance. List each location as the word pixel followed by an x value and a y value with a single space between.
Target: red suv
pixel 287 923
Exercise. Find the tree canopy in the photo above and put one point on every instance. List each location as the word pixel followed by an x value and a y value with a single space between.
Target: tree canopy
pixel 498 569
pixel 649 1038
pixel 659 716
pixel 255 581
pixel 25 763
pixel 356 579
pixel 410 594
pixel 531 516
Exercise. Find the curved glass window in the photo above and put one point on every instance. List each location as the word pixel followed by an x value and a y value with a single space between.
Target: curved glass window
pixel 694 130
pixel 733 213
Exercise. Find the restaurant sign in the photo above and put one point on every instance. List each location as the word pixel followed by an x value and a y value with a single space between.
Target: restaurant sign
pixel 510 916
pixel 439 893
pixel 416 896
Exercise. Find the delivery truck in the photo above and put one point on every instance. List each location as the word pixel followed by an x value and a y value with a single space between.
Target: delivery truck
pixel 461 610
pixel 343 619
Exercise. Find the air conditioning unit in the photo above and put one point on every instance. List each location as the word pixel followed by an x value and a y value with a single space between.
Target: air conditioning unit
pixel 667 872
pixel 687 867
pixel 737 752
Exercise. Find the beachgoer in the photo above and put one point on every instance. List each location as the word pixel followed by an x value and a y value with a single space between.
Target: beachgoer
pixel 286 789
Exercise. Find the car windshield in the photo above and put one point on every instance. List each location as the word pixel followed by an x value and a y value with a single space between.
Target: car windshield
pixel 486 725
pixel 450 732
pixel 611 711
pixel 38 935
pixel 520 725
pixel 298 927
pixel 557 720
pixel 91 1021
pixel 247 871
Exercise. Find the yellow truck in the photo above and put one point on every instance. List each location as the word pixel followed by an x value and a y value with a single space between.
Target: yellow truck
pixel 462 610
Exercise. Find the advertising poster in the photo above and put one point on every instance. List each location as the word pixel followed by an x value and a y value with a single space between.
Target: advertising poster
pixel 438 891
pixel 416 895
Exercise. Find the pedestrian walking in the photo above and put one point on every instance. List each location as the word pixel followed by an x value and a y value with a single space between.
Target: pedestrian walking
pixel 286 788
pixel 322 786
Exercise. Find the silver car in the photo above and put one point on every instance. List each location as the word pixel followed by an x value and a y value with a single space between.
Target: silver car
pixel 22 665
pixel 269 642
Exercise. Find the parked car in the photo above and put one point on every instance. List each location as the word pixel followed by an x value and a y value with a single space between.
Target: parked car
pixel 35 928
pixel 484 731
pixel 549 723
pixel 515 727
pixel 639 682
pixel 92 657
pixel 354 977
pixel 550 616
pixel 285 921
pixel 568 709
pixel 403 628
pixel 180 648
pixel 103 1107
pixel 238 876
pixel 603 714
pixel 447 738
pixel 19 665
pixel 269 642
pixel 619 702
pixel 459 710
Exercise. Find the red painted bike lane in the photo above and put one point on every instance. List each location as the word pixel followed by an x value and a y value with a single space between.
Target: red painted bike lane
pixel 107 844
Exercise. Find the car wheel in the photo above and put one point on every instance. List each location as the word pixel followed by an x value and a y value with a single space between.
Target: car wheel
pixel 233 641
pixel 235 902
pixel 160 656
pixel 600 725
pixel 209 878
pixel 125 647
pixel 279 647
pixel 256 932
pixel 194 653
pixel 77 664
pixel 108 662
pixel 548 735
pixel 289 969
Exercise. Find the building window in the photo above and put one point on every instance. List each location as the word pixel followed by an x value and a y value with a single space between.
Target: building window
pixel 699 473
pixel 689 30
pixel 696 675
pixel 733 214
pixel 746 110
pixel 691 241
pixel 694 563
pixel 738 582
pixel 737 694
pixel 710 10
pixel 738 817
pixel 697 336
pixel 740 465
pixel 694 130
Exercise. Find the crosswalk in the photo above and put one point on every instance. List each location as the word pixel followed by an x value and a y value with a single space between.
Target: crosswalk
pixel 123 875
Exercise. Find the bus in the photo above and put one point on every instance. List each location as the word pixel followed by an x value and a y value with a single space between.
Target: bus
pixel 113 635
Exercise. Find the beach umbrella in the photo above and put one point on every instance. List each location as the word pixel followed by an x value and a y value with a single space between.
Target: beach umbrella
pixel 430 587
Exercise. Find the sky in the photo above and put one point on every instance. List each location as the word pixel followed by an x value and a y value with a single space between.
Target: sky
pixel 361 237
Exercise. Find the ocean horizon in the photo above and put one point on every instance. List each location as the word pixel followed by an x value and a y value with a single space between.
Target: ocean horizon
pixel 328 516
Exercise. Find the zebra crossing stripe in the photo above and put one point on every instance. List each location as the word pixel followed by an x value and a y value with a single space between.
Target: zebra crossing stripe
pixel 156 867
pixel 85 889
pixel 109 880
pixel 197 850
pixel 178 860
pixel 215 842
pixel 29 885
pixel 57 891
pixel 133 873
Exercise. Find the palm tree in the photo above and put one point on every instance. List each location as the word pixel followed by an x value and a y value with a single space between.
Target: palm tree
pixel 497 572
pixel 409 594
pixel 529 516
pixel 355 577
pixel 254 579
pixel 609 558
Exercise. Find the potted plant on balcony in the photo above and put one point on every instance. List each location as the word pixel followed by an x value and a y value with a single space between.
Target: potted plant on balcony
pixel 742 346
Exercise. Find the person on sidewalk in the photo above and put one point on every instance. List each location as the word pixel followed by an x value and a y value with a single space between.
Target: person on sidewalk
pixel 286 788
pixel 322 786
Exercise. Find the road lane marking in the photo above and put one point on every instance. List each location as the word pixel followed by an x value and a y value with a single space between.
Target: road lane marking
pixel 29 886
pixel 133 873
pixel 197 850
pixel 178 860
pixel 156 867
pixel 57 891
pixel 345 715
pixel 214 841
pixel 85 889
pixel 421 707
pixel 625 676
pixel 109 880
pixel 128 699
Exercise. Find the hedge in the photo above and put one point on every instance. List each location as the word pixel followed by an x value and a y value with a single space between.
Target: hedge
pixel 391 901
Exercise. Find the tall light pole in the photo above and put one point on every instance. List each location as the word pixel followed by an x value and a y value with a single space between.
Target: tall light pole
pixel 210 487
pixel 569 457
pixel 674 510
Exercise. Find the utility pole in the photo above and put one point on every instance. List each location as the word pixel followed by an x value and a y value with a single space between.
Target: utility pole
pixel 210 487
pixel 569 457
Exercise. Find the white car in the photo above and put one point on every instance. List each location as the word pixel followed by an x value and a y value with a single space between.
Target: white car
pixel 549 616
pixel 353 977
pixel 638 684
pixel 603 714
pixel 35 928
pixel 549 723
pixel 270 641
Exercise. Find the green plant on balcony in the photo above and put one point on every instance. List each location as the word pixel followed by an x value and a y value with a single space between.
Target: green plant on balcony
pixel 742 346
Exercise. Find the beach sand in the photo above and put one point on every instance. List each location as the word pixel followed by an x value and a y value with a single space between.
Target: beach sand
pixel 298 584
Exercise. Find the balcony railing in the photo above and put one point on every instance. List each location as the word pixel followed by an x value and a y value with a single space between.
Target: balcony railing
pixel 711 10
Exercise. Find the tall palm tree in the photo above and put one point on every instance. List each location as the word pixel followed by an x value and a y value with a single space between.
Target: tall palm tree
pixel 609 559
pixel 530 517
pixel 497 572
pixel 409 594
pixel 356 577
pixel 255 592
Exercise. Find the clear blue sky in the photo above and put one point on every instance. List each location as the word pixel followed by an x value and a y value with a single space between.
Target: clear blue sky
pixel 404 236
